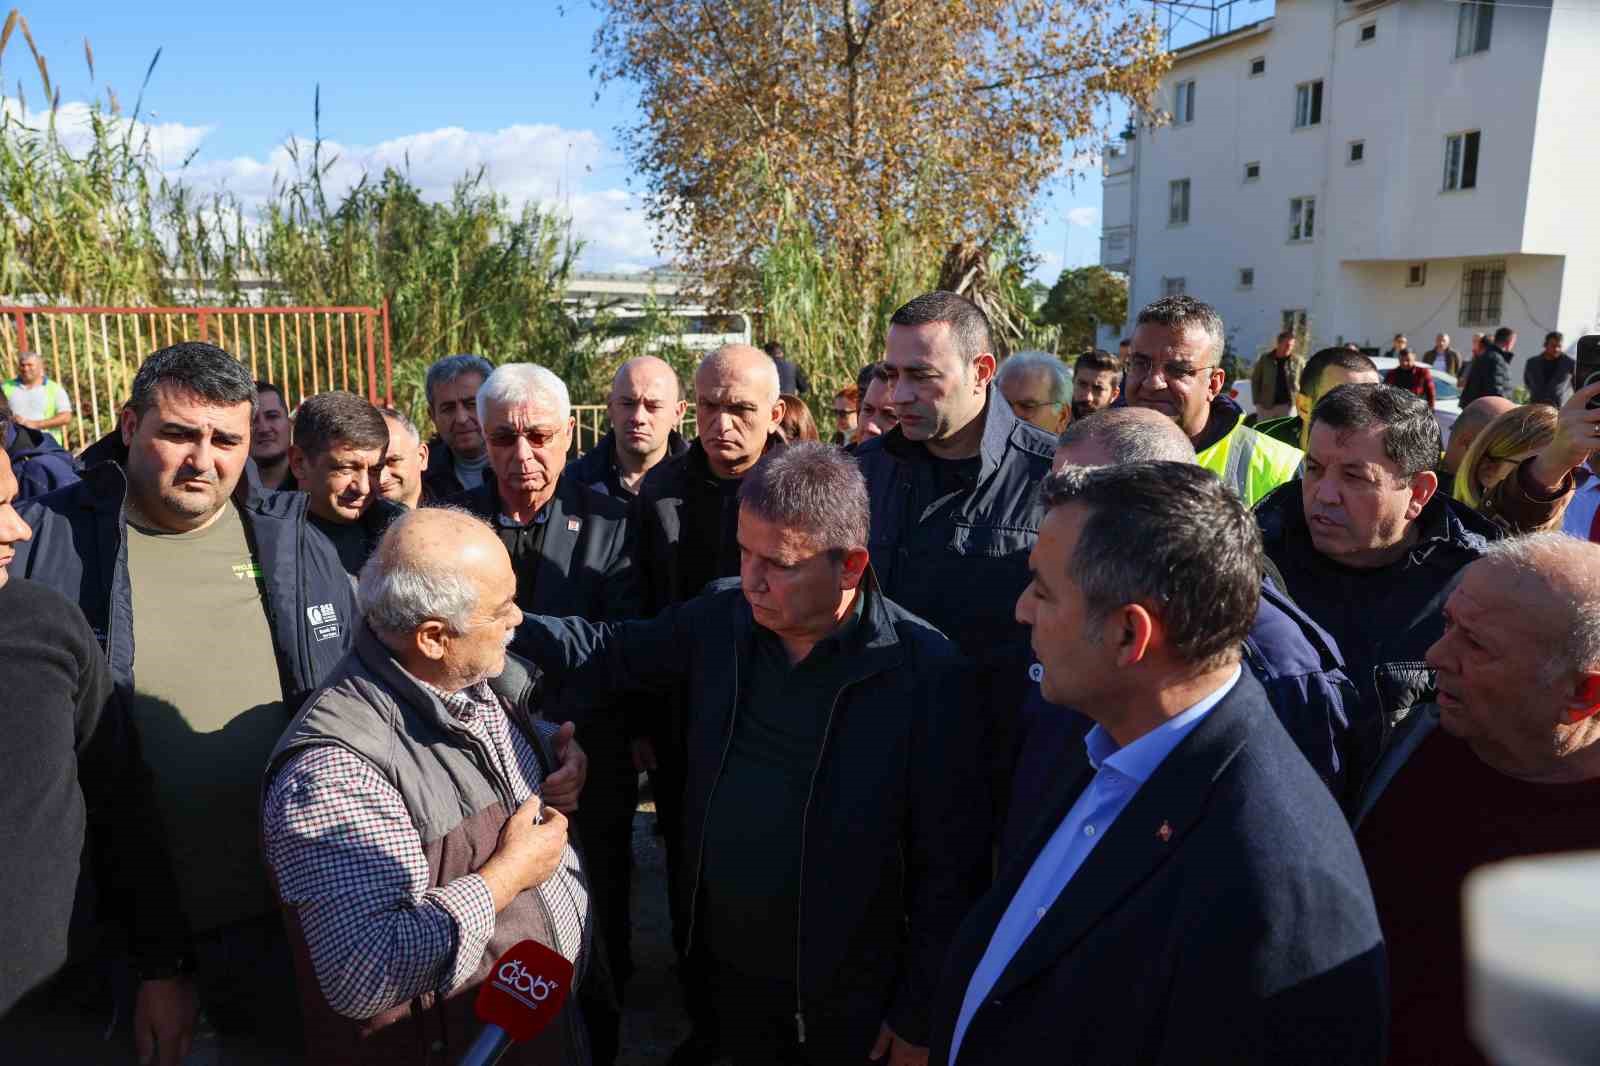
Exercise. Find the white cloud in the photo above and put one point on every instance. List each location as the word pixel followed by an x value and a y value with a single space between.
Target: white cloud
pixel 548 165
pixel 1084 217
pixel 171 141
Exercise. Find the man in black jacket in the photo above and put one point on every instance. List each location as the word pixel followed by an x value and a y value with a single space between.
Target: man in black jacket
pixel 572 550
pixel 688 516
pixel 1490 371
pixel 955 506
pixel 218 612
pixel 456 459
pixel 340 446
pixel 646 407
pixel 1192 893
pixel 837 828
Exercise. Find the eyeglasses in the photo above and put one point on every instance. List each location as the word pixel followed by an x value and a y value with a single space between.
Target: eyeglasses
pixel 507 438
pixel 1141 365
pixel 840 412
pixel 1033 405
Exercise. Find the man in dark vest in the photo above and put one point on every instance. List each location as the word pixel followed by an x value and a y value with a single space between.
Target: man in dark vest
pixel 420 757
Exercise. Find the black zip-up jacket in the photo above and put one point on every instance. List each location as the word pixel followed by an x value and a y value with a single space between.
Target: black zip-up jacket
pixel 896 844
pixel 79 548
pixel 596 467
pixel 962 563
pixel 1488 375
pixel 1383 619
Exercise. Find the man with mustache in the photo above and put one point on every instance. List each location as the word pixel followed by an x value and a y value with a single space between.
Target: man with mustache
pixel 572 552
pixel 456 459
pixel 340 446
pixel 1176 369
pixel 1371 550
pixel 1096 382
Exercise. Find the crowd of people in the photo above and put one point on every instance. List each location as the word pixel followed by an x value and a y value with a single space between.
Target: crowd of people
pixel 1044 711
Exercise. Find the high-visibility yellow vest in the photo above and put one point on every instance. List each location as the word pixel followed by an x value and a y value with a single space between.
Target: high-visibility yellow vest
pixel 1251 463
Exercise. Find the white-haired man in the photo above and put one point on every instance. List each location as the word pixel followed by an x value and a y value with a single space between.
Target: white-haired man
pixel 1505 764
pixel 404 819
pixel 572 550
pixel 1038 386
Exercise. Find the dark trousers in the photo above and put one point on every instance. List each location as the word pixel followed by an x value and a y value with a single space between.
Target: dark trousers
pixel 756 1023
pixel 605 834
pixel 667 782
pixel 246 984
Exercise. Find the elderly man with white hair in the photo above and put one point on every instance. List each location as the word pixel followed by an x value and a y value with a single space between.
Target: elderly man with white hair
pixel 1038 386
pixel 1505 763
pixel 405 819
pixel 572 549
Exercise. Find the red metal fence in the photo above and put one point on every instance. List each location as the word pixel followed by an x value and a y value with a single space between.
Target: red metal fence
pixel 94 351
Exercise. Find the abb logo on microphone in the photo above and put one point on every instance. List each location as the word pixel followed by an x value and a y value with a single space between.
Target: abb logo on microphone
pixel 520 981
pixel 525 990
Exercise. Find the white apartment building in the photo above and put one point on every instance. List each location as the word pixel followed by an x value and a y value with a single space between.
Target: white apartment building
pixel 1372 168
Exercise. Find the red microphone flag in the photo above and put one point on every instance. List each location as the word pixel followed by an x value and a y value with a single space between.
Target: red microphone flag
pixel 525 990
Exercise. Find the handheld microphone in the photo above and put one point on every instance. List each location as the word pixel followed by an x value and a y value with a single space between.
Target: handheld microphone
pixel 521 996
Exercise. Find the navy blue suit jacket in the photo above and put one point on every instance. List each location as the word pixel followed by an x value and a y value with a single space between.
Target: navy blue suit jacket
pixel 1225 917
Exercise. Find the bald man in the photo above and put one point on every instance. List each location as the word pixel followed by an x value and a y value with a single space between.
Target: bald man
pixel 688 526
pixel 1499 767
pixel 645 406
pixel 412 812
pixel 1474 418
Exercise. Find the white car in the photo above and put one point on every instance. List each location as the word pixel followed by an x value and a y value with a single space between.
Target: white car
pixel 1447 392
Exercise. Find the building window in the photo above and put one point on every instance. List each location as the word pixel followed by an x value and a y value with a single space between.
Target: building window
pixel 1461 161
pixel 1474 27
pixel 1252 172
pixel 1416 275
pixel 1302 218
pixel 1178 208
pixel 1367 34
pixel 1307 104
pixel 1482 288
pixel 1183 104
pixel 1258 66
pixel 1295 321
pixel 1172 286
pixel 1247 277
pixel 1358 152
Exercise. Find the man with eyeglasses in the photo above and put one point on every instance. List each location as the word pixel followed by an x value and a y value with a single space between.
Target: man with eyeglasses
pixel 572 550
pixel 1175 369
pixel 1038 386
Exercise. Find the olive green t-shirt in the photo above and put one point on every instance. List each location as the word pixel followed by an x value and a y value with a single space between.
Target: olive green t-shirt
pixel 208 704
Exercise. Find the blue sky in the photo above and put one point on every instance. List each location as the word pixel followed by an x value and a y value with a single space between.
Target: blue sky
pixel 506 85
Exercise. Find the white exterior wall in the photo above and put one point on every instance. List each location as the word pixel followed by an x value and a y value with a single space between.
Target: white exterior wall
pixel 1536 205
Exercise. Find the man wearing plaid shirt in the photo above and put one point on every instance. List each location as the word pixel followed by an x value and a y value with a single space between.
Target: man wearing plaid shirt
pixel 403 820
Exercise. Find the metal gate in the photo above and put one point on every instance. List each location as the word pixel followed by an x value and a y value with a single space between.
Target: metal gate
pixel 94 351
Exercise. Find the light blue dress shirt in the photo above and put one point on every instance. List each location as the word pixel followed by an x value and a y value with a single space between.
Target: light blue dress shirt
pixel 1119 773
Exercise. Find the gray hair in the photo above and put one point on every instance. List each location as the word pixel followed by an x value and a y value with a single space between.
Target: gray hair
pixel 24 355
pixel 1569 570
pixel 1020 363
pixel 1172 538
pixel 451 367
pixel 1131 435
pixel 399 591
pixel 405 422
pixel 1184 313
pixel 522 383
pixel 812 487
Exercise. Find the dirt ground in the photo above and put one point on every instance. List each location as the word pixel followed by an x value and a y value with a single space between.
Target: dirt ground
pixel 652 1024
